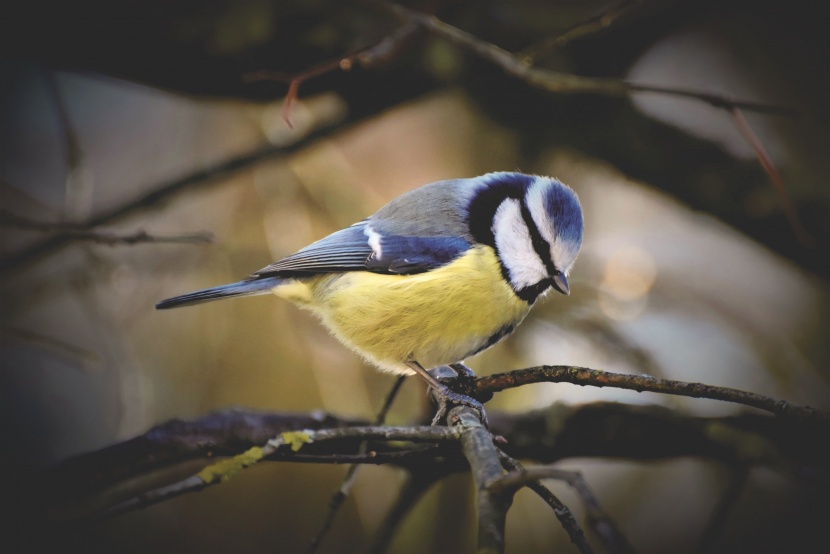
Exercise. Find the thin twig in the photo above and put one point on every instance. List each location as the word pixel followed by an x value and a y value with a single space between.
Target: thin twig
pixel 375 55
pixel 342 493
pixel 417 484
pixel 717 521
pixel 603 526
pixel 157 194
pixel 75 231
pixel 562 512
pixel 775 178
pixel 580 29
pixel 593 377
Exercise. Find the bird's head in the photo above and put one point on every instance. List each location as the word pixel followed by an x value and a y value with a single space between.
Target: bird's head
pixel 535 225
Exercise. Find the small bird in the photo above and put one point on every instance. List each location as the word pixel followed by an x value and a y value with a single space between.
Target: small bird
pixel 439 274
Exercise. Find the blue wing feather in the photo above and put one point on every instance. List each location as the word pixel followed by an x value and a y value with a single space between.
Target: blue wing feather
pixel 404 255
pixel 349 250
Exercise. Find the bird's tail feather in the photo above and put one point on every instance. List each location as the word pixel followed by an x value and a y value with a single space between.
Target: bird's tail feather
pixel 242 288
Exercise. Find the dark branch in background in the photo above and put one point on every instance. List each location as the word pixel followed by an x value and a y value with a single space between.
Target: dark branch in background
pixel 640 383
pixel 75 37
pixel 717 521
pixel 419 480
pixel 160 193
pixel 519 66
pixel 374 56
pixel 555 81
pixel 74 152
pixel 351 474
pixel 222 433
pixel 74 231
pixel 591 25
pixel 766 162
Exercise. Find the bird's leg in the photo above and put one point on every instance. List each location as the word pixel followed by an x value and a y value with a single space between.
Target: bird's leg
pixel 446 396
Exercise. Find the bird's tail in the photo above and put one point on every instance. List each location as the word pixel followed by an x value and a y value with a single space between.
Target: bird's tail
pixel 242 288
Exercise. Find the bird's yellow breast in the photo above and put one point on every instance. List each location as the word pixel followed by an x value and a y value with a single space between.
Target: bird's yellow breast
pixel 434 318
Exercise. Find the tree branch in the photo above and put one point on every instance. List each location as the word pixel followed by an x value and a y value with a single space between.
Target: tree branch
pixel 157 194
pixel 787 205
pixel 417 484
pixel 478 448
pixel 603 526
pixel 599 430
pixel 717 521
pixel 562 512
pixel 580 29
pixel 378 54
pixel 223 470
pixel 640 383
pixel 222 433
pixel 74 231
pixel 557 82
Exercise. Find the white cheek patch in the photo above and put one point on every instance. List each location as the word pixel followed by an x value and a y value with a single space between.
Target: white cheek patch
pixel 515 246
pixel 374 241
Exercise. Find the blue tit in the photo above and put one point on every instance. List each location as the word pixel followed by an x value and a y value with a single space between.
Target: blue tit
pixel 439 274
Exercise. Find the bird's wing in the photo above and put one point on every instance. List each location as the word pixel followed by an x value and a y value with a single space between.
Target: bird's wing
pixel 360 248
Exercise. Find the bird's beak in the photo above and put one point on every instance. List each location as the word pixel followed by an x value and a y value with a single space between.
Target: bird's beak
pixel 560 283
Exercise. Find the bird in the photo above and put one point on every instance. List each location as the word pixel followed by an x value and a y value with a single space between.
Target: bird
pixel 437 275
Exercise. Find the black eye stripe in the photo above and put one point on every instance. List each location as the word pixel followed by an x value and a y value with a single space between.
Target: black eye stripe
pixel 540 245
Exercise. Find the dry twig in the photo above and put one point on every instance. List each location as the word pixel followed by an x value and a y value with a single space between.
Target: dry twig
pixel 75 231
pixel 562 512
pixel 592 377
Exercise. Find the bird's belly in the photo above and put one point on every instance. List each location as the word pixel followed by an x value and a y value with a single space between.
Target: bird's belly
pixel 438 317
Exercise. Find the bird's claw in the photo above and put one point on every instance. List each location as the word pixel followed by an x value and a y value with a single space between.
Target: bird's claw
pixel 447 399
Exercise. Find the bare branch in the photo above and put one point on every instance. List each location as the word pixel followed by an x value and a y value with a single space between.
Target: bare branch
pixel 224 470
pixel 222 433
pixel 604 429
pixel 600 429
pixel 483 457
pixel 591 25
pixel 156 195
pixel 787 205
pixel 603 526
pixel 417 484
pixel 376 55
pixel 562 512
pixel 557 82
pixel 74 231
pixel 640 383
pixel 717 521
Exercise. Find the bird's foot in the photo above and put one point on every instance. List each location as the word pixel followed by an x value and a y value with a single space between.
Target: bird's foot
pixel 448 399
pixel 462 370
pixel 462 378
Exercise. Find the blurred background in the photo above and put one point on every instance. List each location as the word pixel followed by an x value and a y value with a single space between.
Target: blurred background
pixel 137 116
